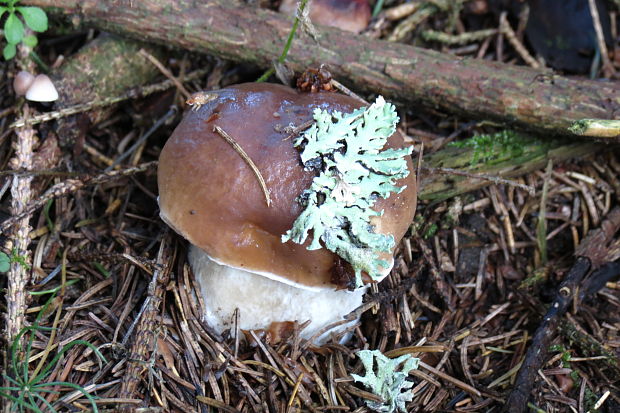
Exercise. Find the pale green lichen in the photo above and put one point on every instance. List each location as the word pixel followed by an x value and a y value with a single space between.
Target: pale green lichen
pixel 386 381
pixel 354 172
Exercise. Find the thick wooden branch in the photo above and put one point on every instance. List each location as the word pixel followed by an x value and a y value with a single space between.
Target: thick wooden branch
pixel 517 96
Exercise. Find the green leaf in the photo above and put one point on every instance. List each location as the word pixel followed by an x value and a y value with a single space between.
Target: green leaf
pixel 35 18
pixel 9 51
pixel 5 262
pixel 30 40
pixel 13 29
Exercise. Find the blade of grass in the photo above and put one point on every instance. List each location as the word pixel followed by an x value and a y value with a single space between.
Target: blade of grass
pixel 378 8
pixel 289 41
pixel 541 226
pixel 20 402
pixel 50 342
pixel 33 401
pixel 46 403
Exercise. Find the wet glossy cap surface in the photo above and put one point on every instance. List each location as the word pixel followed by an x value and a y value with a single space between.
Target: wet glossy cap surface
pixel 209 194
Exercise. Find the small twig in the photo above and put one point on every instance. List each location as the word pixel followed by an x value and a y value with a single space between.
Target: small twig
pixel 295 390
pixel 458 383
pixel 70 186
pixel 608 67
pixel 39 172
pixel 484 177
pixel 165 72
pixel 247 159
pixel 510 34
pixel 409 24
pixel 458 39
pixel 419 166
pixel 294 131
pixel 597 128
pixel 348 91
pixel 85 107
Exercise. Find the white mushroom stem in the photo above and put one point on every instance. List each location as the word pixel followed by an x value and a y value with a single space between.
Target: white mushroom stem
pixel 261 300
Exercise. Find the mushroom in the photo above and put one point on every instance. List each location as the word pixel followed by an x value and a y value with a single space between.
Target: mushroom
pixel 209 194
pixel 22 82
pixel 349 15
pixel 42 90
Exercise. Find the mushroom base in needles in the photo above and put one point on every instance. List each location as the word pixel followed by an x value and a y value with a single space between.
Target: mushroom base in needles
pixel 341 195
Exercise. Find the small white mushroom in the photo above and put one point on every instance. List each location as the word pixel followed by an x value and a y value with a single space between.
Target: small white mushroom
pixel 42 90
pixel 22 82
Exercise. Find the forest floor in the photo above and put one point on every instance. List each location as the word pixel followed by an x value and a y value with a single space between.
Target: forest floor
pixel 99 299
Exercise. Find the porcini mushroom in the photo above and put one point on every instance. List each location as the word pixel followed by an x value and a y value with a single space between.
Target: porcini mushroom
pixel 211 196
pixel 348 15
pixel 42 90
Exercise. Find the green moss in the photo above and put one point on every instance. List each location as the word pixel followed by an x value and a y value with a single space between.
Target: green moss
pixel 495 147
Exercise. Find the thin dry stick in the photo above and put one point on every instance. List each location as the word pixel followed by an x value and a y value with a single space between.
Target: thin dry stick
pixel 70 186
pixel 608 67
pixel 348 91
pixel 458 383
pixel 165 72
pixel 510 34
pixel 85 107
pixel 247 159
pixel 485 177
pixel 21 194
pixel 295 390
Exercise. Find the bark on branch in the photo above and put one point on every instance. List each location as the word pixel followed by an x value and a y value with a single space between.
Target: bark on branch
pixel 517 96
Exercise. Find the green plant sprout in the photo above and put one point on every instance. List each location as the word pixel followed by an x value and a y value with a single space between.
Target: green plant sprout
pixel 354 172
pixel 487 148
pixel 287 45
pixel 6 260
pixel 385 380
pixel 27 388
pixel 14 32
pixel 20 259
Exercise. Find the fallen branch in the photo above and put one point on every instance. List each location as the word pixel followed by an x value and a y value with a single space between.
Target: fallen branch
pixel 513 95
pixel 537 352
pixel 148 327
pixel 589 254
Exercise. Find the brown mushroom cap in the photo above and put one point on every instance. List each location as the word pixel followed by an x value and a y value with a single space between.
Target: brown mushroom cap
pixel 348 15
pixel 209 194
pixel 22 82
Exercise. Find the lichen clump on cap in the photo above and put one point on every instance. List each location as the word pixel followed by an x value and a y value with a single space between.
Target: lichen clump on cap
pixel 346 150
